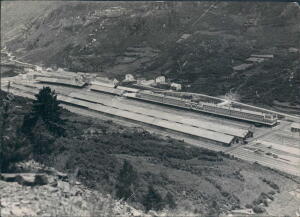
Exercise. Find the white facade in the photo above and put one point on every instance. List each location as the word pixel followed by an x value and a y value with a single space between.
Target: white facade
pixel 160 80
pixel 129 77
pixel 176 86
pixel 145 82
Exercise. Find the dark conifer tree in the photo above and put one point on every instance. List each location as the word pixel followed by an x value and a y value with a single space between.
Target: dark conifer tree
pixel 125 181
pixel 46 108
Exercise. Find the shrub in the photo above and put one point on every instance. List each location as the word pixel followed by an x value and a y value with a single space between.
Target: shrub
pixel 152 200
pixel 259 209
pixel 170 201
pixel 14 146
pixel 249 206
pixel 125 181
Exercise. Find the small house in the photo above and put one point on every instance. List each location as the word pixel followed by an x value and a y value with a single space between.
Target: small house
pixel 176 86
pixel 255 60
pixel 295 127
pixel 242 67
pixel 266 56
pixel 160 80
pixel 129 77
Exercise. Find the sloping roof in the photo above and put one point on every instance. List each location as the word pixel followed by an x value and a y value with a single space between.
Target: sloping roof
pixel 255 59
pixel 295 125
pixel 60 81
pixel 263 55
pixel 99 83
pixel 128 89
pixel 211 135
pixel 172 118
pixel 242 67
pixel 106 89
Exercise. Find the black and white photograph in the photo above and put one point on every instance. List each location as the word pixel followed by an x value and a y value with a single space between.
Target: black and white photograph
pixel 150 108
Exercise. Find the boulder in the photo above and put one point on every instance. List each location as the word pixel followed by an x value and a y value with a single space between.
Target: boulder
pixel 27 179
pixel 62 176
pixel 40 179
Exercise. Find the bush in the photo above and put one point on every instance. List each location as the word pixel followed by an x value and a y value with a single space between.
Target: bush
pixel 153 200
pixel 125 181
pixel 259 209
pixel 249 206
pixel 14 147
pixel 170 201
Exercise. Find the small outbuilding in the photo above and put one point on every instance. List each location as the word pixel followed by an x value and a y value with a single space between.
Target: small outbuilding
pixel 293 50
pixel 242 67
pixel 129 77
pixel 266 56
pixel 145 82
pixel 295 127
pixel 160 80
pixel 255 60
pixel 176 86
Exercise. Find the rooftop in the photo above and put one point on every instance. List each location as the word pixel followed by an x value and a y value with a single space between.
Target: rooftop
pixel 295 125
pixel 242 67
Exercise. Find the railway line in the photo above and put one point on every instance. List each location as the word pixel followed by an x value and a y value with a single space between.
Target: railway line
pixel 250 156
pixel 167 121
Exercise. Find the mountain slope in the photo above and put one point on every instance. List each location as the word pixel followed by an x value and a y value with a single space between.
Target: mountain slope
pixel 194 43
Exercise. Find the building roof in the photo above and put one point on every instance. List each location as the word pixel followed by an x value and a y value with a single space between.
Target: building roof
pixel 263 55
pixel 127 89
pixel 199 124
pixel 179 127
pixel 242 67
pixel 295 125
pixel 60 81
pixel 99 83
pixel 106 89
pixel 255 59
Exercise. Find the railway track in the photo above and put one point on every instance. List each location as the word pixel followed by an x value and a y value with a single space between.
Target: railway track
pixel 237 151
pixel 266 161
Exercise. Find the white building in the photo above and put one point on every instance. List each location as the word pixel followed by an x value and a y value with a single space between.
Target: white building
pixel 129 77
pixel 255 60
pixel 49 70
pixel 176 86
pixel 160 80
pixel 242 67
pixel 293 50
pixel 266 56
pixel 295 127
pixel 145 82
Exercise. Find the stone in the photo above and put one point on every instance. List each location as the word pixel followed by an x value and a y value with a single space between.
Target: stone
pixel 22 211
pixel 62 176
pixel 40 179
pixel 54 183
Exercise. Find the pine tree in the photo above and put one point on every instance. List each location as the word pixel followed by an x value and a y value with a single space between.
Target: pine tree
pixel 125 181
pixel 46 108
pixel 153 200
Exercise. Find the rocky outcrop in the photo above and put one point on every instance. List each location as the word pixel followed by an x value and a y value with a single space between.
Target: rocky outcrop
pixel 41 194
pixel 26 179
